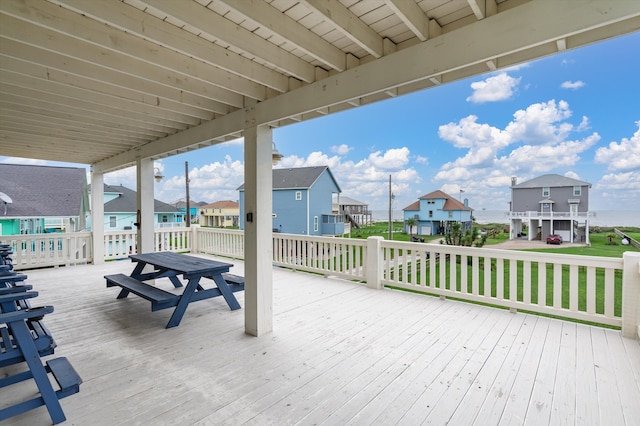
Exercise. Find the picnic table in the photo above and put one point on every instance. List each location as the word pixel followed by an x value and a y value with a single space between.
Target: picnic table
pixel 173 266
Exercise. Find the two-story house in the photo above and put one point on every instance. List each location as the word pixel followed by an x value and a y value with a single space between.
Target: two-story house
pixel 120 210
pixel 302 202
pixel 39 199
pixel 221 214
pixel 355 212
pixel 436 211
pixel 550 204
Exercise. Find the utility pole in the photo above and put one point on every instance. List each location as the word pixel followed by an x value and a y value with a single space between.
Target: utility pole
pixel 186 175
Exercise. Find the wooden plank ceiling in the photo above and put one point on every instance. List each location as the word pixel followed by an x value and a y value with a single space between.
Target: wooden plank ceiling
pixel 104 82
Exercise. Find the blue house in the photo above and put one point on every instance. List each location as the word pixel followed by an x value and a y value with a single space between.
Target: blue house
pixel 302 202
pixel 435 212
pixel 120 210
pixel 42 199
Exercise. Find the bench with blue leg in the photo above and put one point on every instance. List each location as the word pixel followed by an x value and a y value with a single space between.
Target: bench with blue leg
pixel 159 298
pixel 16 336
pixel 42 339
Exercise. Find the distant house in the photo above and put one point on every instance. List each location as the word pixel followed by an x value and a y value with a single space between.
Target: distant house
pixel 121 206
pixel 435 212
pixel 550 204
pixel 194 208
pixel 302 202
pixel 39 199
pixel 354 211
pixel 221 214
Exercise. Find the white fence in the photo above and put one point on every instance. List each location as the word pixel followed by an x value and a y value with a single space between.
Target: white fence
pixel 55 249
pixel 596 289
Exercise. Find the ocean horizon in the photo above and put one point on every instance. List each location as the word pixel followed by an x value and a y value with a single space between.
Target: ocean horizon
pixel 602 217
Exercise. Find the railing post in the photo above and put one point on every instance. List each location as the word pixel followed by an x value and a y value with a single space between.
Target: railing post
pixel 631 295
pixel 374 262
pixel 194 248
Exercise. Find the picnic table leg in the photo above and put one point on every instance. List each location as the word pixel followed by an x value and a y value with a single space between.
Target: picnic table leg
pixel 226 292
pixel 181 307
pixel 31 357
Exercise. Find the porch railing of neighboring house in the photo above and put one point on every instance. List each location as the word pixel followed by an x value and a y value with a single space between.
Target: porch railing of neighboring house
pixel 550 215
pixel 595 289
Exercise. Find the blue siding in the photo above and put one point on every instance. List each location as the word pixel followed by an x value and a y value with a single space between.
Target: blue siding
pixel 297 216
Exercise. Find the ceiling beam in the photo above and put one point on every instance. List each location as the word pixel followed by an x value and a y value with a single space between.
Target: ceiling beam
pixel 270 18
pixel 412 16
pixel 349 25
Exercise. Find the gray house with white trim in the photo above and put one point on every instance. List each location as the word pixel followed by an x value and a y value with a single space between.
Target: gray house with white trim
pixel 550 204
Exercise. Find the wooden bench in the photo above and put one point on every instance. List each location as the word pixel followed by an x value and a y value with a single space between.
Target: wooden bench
pixel 236 282
pixel 16 342
pixel 160 299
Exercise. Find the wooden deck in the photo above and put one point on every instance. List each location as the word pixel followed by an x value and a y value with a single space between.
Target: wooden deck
pixel 340 353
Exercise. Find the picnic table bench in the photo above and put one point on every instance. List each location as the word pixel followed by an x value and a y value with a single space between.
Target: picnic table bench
pixel 172 265
pixel 24 339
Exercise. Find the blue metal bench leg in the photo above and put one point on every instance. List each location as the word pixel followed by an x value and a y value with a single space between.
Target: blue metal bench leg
pixel 181 307
pixel 226 292
pixel 48 394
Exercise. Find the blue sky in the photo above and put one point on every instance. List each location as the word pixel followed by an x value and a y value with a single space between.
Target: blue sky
pixel 575 114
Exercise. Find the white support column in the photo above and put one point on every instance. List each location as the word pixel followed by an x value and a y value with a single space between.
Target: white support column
pixel 258 276
pixel 631 295
pixel 97 216
pixel 374 262
pixel 144 176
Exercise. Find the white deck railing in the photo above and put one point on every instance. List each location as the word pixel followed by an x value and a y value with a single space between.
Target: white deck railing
pixel 54 249
pixel 596 289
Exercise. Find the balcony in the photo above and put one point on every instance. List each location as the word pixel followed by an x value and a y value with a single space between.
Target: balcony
pixel 550 215
pixel 343 352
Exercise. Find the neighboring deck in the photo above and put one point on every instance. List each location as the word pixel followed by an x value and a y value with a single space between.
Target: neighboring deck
pixel 340 353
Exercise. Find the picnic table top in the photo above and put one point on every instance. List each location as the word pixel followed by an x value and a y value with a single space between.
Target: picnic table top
pixel 182 263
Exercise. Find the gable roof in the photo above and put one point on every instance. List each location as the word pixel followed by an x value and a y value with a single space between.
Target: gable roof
pixel 127 202
pixel 450 202
pixel 43 191
pixel 551 181
pixel 298 178
pixel 224 204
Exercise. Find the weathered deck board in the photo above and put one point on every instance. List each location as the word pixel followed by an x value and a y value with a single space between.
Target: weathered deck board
pixel 340 353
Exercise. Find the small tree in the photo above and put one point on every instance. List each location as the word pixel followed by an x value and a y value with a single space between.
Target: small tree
pixel 411 222
pixel 468 238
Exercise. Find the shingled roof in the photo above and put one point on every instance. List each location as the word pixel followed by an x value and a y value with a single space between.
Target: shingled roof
pixel 42 191
pixel 127 201
pixel 551 181
pixel 297 178
pixel 450 204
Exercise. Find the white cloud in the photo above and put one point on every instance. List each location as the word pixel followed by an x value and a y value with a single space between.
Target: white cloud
pixel 26 161
pixel 549 157
pixel 421 159
pixel 541 123
pixel 621 156
pixel 496 88
pixel 620 181
pixel 341 149
pixel 573 85
pixel 392 159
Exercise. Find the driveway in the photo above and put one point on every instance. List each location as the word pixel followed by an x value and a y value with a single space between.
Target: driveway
pixel 521 244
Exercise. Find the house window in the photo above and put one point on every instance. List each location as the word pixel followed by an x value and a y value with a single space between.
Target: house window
pixel 450 215
pixel 164 218
pixel 574 209
pixel 430 213
pixel 546 191
pixel 298 195
pixel 315 224
pixel 577 191
pixel 112 221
